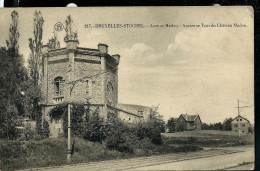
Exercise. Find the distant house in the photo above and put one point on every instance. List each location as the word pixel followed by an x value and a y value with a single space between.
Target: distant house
pixel 188 122
pixel 240 123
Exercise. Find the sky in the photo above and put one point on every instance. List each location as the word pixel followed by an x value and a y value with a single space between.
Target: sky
pixel 202 70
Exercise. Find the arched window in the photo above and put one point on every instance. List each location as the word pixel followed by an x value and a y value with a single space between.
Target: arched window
pixel 58 86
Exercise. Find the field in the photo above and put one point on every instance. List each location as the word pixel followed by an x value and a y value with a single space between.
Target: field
pixel 202 133
pixel 208 138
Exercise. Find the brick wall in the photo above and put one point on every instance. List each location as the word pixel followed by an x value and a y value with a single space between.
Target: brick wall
pixel 58 69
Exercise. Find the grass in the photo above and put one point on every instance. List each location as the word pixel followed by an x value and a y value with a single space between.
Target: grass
pixel 208 138
pixel 52 152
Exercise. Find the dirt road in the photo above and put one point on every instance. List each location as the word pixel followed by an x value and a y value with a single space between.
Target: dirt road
pixel 202 160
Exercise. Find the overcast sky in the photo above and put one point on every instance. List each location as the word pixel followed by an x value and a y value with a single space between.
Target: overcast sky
pixel 183 70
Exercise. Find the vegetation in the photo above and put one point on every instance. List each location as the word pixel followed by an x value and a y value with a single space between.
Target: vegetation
pixel 87 124
pixel 35 46
pixel 51 152
pixel 171 125
pixel 13 74
pixel 225 126
pixel 207 142
pixel 204 138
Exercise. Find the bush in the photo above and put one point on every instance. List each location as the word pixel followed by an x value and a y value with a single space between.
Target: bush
pixel 94 128
pixel 45 129
pixel 11 152
pixel 180 128
pixel 117 136
pixel 29 133
pixel 192 140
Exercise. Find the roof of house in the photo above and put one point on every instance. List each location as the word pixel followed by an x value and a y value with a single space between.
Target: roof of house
pixel 240 117
pixel 133 108
pixel 189 118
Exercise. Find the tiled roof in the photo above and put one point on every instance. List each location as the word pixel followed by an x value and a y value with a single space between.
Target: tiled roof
pixel 189 118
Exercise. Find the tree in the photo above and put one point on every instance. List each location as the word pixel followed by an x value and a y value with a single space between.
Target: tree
pixel 205 126
pixel 13 74
pixel 157 119
pixel 227 124
pixel 36 49
pixel 180 128
pixel 14 35
pixel 171 124
pixel 35 71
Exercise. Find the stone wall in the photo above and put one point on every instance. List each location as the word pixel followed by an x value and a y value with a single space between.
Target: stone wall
pixel 57 69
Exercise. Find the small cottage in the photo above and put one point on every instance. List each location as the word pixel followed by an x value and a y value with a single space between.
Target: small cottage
pixel 188 122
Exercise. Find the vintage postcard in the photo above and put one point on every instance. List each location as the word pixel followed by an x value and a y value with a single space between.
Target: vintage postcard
pixel 127 88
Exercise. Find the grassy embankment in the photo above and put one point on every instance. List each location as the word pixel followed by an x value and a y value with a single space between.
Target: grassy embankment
pixel 52 152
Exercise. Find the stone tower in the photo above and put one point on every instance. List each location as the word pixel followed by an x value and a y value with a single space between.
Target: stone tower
pixel 91 72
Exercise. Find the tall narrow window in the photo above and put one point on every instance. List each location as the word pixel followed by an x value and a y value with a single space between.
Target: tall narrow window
pixel 89 88
pixel 58 86
pixel 110 92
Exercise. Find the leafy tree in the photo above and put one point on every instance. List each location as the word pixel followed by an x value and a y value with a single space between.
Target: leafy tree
pixel 157 120
pixel 14 35
pixel 13 73
pixel 33 94
pixel 227 124
pixel 180 128
pixel 94 127
pixel 205 126
pixel 218 126
pixel 36 49
pixel 171 124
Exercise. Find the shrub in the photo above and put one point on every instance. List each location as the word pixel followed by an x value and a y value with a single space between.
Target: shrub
pixel 94 128
pixel 11 152
pixel 149 129
pixel 180 128
pixel 117 136
pixel 45 129
pixel 29 133
pixel 192 140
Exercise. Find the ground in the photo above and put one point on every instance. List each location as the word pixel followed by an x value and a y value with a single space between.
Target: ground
pixel 210 159
pixel 193 148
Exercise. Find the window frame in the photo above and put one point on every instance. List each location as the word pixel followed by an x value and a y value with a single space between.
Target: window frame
pixel 58 87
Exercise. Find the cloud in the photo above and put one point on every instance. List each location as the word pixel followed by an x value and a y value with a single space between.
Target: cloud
pixel 93 38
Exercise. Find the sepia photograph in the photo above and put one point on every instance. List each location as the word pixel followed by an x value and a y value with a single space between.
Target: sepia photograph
pixel 127 88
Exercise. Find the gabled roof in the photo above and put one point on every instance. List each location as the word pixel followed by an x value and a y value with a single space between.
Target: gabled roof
pixel 189 118
pixel 240 117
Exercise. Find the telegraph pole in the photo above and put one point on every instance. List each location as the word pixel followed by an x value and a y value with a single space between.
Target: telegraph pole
pixel 72 84
pixel 239 108
pixel 69 136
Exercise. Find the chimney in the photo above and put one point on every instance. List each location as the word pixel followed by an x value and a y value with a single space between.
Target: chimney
pixel 72 44
pixel 116 57
pixel 45 49
pixel 103 48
